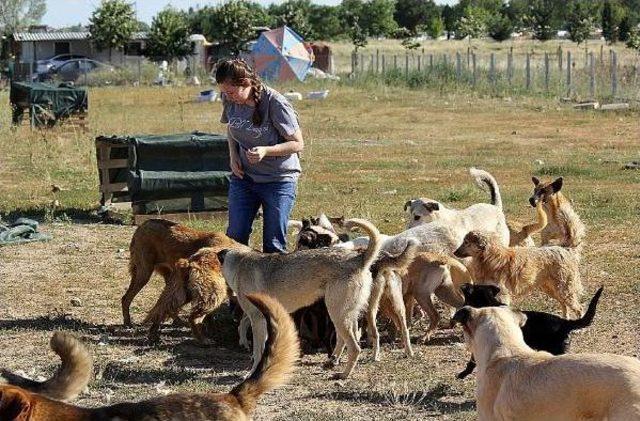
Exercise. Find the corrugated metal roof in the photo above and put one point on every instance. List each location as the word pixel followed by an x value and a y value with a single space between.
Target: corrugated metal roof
pixel 62 36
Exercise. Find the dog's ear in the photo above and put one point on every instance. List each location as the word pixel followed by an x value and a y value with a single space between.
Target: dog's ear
pixel 222 254
pixel 466 289
pixel 325 240
pixel 535 180
pixel 343 238
pixel 520 317
pixel 407 205
pixel 305 223
pixel 463 315
pixel 431 206
pixel 14 405
pixel 557 185
pixel 338 220
pixel 325 223
pixel 494 290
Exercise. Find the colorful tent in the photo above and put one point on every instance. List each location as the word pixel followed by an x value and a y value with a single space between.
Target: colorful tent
pixel 280 55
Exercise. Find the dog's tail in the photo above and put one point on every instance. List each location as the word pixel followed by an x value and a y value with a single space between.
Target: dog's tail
pixel 375 242
pixel 528 230
pixel 172 298
pixel 459 273
pixel 69 380
pixel 485 181
pixel 400 262
pixel 280 354
pixel 588 316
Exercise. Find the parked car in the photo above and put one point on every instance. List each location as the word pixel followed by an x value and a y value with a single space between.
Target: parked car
pixel 74 70
pixel 44 66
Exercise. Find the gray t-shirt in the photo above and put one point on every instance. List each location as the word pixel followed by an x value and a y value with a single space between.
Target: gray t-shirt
pixel 279 119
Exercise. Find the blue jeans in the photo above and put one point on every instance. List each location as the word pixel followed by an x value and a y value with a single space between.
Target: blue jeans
pixel 277 200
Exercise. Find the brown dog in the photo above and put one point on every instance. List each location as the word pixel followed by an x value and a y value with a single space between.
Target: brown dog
pixel 522 237
pixel 197 280
pixel 157 245
pixel 554 270
pixel 514 382
pixel 278 360
pixel 565 225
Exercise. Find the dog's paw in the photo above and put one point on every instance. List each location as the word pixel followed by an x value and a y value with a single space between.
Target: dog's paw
pixel 340 376
pixel 330 363
pixel 462 375
pixel 426 338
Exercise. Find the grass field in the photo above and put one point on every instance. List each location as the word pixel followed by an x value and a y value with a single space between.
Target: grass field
pixel 366 153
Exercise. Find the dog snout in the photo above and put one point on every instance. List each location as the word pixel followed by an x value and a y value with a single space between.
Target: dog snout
pixel 462 316
pixel 533 201
pixel 460 252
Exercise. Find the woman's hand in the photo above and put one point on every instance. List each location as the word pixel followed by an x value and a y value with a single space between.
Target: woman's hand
pixel 236 166
pixel 255 155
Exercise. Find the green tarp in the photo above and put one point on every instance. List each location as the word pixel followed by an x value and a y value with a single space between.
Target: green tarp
pixel 176 173
pixel 42 99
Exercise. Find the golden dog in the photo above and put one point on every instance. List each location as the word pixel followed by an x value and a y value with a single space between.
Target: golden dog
pixel 514 382
pixel 278 360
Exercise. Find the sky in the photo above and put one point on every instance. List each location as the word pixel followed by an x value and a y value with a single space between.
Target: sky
pixel 70 12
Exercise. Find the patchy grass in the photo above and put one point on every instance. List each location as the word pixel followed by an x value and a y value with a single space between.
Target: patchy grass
pixel 366 153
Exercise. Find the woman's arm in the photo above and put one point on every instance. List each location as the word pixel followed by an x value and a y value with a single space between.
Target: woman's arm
pixel 234 157
pixel 294 144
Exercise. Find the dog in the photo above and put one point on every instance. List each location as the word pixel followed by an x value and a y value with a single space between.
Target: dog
pixel 522 237
pixel 71 378
pixel 430 274
pixel 156 246
pixel 299 279
pixel 565 226
pixel 317 232
pixel 481 216
pixel 542 331
pixel 514 382
pixel 197 280
pixel 553 270
pixel 273 370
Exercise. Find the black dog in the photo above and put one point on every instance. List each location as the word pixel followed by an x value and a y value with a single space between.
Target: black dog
pixel 541 331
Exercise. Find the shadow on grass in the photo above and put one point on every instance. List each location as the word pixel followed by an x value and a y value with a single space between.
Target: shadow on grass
pixel 44 214
pixel 431 400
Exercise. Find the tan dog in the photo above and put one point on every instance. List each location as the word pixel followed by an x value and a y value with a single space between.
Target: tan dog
pixel 299 279
pixel 278 361
pixel 553 270
pixel 197 280
pixel 157 245
pixel 515 382
pixel 565 225
pixel 430 274
pixel 522 237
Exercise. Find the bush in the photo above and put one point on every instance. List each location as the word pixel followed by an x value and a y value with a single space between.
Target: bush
pixel 499 27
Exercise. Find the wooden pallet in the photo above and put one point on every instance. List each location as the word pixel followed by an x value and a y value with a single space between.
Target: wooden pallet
pixel 111 191
pixel 180 217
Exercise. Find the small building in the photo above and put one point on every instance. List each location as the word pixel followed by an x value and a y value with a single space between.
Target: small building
pixel 29 47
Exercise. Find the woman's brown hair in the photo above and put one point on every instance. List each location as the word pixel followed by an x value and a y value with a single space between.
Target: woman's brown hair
pixel 237 72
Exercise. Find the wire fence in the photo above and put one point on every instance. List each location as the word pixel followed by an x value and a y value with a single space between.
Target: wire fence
pixel 593 75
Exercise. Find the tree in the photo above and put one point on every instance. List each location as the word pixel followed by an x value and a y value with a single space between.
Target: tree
pixel 473 23
pixel 169 36
pixel 19 14
pixel 112 25
pixel 450 20
pixel 610 18
pixel 580 22
pixel 499 27
pixel 325 22
pixel 231 23
pixel 634 39
pixel 294 14
pixel 376 18
pixel 541 14
pixel 625 27
pixel 435 27
pixel 411 14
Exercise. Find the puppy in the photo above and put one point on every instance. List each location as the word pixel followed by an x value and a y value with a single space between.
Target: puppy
pixel 197 280
pixel 542 331
pixel 522 237
pixel 317 232
pixel 564 225
pixel 278 361
pixel 514 382
pixel 553 270
pixel 481 216
pixel 71 378
pixel 157 245
pixel 299 279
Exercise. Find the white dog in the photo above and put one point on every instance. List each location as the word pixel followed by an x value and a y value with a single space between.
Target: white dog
pixel 480 217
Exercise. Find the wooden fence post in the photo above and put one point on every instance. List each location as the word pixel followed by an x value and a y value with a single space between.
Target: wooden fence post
pixel 492 69
pixel 406 65
pixel 419 63
pixel 560 56
pixel 569 88
pixel 614 74
pixel 510 66
pixel 473 62
pixel 592 76
pixel 431 61
pixel 371 64
pixel 377 61
pixel 354 62
pixel 546 72
pixel 361 62
pixel 458 65
pixel 384 69
pixel 528 71
pixel 395 62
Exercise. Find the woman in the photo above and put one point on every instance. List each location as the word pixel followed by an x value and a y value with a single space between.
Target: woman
pixel 264 140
